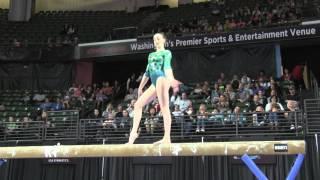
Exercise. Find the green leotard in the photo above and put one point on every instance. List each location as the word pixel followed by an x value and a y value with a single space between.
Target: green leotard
pixel 158 62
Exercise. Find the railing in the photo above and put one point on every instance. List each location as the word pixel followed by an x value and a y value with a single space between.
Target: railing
pixel 312 116
pixel 65 125
pixel 314 85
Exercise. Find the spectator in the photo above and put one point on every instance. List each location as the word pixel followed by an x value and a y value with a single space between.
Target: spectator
pixel 223 105
pixel 197 90
pixel 274 102
pixel 46 105
pixel 177 114
pixel 202 117
pixel 259 117
pixel 109 110
pixel 256 101
pixel 174 99
pixel 243 94
pixel 125 120
pixel 95 114
pixel 184 102
pixel 229 92
pixel 131 95
pixel 216 117
pixel 215 93
pixel 110 122
pixel 237 117
pixel 58 105
pixel 291 115
pixel 107 90
pixel 205 90
pixel 119 113
pixel 151 121
pixel 100 98
pixel 131 107
pixel 286 75
pixel 245 79
pixel 275 116
pixel 293 95
pixel 11 126
pixel 132 82
pixel 189 120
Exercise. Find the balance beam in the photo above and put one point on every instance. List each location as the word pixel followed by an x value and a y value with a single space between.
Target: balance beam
pixel 174 149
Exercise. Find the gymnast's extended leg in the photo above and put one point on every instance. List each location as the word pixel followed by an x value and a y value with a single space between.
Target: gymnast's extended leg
pixel 144 99
pixel 162 90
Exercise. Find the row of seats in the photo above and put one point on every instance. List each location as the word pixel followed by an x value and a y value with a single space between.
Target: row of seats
pixel 97 25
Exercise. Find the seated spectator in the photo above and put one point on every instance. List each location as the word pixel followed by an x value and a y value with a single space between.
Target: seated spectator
pixel 107 90
pixel 88 91
pixel 132 82
pixel 229 92
pixel 274 103
pixel 25 122
pixel 174 99
pixel 46 105
pixel 259 118
pixel 256 101
pixel 202 117
pixel 100 98
pixel 116 88
pixel 177 114
pixel 291 115
pixel 118 113
pixel 131 95
pixel 205 91
pixel 125 120
pixel 223 105
pixel 215 93
pixel 243 94
pixel 216 117
pixel 237 117
pixel 189 119
pixel 286 75
pixel 293 95
pixel 184 102
pixel 110 122
pixel 151 120
pixel 95 114
pixel 58 105
pixel 235 82
pixel 274 115
pixel 198 89
pixel 11 126
pixel 273 93
pixel 109 110
pixel 245 79
pixel 130 107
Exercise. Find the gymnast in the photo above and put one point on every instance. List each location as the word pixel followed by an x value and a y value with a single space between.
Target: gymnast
pixel 160 72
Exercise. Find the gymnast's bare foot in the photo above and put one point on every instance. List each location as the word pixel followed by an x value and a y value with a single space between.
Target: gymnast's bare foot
pixel 164 140
pixel 133 136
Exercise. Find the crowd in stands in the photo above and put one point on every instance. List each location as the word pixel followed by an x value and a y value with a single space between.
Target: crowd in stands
pixel 264 14
pixel 260 101
pixel 222 17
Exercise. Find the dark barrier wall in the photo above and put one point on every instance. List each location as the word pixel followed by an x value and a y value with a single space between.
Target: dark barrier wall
pixel 162 168
pixel 36 76
pixel 196 66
